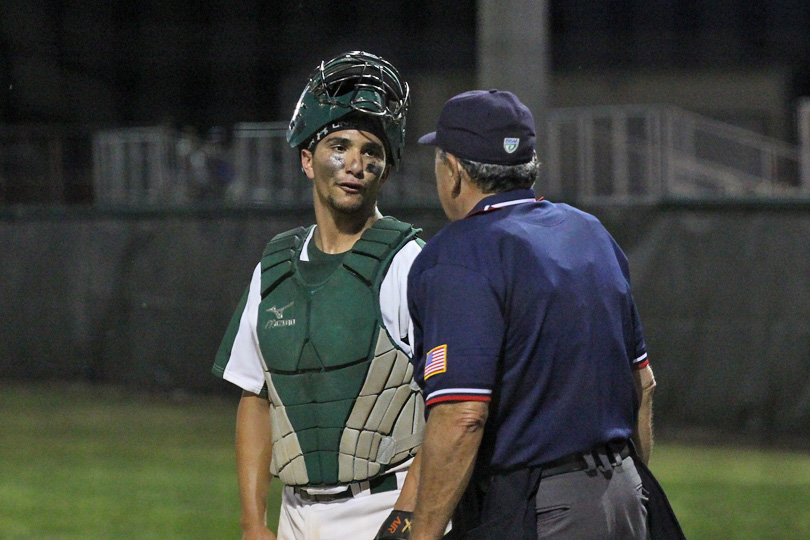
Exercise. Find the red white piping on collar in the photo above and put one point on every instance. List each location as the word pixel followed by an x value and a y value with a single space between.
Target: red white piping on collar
pixel 507 203
pixel 495 206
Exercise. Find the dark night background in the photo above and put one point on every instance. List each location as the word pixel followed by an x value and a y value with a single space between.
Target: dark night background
pixel 220 62
pixel 208 63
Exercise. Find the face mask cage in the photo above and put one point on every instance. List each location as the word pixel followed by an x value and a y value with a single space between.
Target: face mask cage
pixel 354 81
pixel 372 84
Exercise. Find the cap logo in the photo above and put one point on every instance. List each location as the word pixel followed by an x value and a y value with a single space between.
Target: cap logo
pixel 510 144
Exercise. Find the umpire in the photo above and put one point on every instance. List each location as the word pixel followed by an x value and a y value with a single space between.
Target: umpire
pixel 528 348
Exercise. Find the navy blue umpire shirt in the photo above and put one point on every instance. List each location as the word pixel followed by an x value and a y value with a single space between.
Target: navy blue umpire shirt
pixel 526 304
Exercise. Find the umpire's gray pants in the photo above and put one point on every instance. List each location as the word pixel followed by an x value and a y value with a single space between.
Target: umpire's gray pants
pixel 593 504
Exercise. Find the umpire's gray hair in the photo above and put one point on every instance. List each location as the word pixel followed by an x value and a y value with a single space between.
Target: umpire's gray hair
pixel 492 178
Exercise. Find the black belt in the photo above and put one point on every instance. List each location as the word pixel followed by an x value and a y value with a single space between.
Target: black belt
pixel 379 484
pixel 601 457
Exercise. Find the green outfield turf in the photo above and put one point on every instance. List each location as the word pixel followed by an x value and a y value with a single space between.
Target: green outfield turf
pixel 95 463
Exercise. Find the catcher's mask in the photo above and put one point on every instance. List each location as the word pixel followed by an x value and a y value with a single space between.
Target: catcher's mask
pixel 353 82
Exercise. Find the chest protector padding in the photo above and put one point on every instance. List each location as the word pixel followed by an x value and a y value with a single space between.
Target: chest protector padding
pixel 343 406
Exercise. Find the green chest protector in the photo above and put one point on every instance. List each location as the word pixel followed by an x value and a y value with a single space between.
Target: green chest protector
pixel 343 404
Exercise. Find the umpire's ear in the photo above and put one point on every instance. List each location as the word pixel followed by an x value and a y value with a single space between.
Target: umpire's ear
pixel 457 174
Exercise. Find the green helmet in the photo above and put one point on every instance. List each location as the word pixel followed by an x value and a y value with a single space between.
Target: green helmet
pixel 353 82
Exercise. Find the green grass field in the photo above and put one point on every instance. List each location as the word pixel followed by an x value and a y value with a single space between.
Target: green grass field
pixel 94 463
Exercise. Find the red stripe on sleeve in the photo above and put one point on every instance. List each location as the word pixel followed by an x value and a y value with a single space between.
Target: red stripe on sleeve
pixel 641 365
pixel 457 397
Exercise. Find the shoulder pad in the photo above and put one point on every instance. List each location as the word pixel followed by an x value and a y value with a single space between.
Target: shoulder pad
pixel 373 252
pixel 278 256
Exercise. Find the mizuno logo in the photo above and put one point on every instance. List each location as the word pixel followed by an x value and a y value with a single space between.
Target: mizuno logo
pixel 279 320
pixel 279 312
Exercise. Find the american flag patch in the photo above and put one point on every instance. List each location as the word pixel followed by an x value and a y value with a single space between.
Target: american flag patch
pixel 436 361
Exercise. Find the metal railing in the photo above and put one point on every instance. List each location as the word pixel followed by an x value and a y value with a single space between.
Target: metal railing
pixel 638 153
pixel 266 170
pixel 648 153
pixel 617 153
pixel 157 166
pixel 269 171
pixel 136 166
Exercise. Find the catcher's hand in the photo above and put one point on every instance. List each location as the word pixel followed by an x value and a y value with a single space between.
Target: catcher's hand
pixel 397 526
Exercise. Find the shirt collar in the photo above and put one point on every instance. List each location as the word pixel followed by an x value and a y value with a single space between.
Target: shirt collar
pixel 499 200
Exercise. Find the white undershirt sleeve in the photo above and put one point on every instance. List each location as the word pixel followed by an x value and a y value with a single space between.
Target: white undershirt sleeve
pixel 244 369
pixel 394 297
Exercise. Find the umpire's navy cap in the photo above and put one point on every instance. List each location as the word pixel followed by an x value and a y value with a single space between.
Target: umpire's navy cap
pixel 487 126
